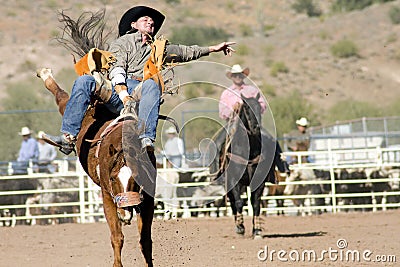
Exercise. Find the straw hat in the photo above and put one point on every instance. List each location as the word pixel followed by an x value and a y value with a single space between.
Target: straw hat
pixel 171 130
pixel 25 131
pixel 237 69
pixel 302 122
pixel 40 135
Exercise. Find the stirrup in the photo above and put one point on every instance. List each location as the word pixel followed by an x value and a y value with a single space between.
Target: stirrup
pixel 67 150
pixel 64 146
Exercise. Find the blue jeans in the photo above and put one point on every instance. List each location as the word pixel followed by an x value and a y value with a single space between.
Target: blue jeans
pixel 85 86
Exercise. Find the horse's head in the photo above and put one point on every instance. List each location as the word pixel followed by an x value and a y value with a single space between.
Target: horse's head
pixel 250 114
pixel 122 186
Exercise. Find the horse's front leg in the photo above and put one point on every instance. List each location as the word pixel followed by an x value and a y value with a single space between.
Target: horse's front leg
pixel 144 222
pixel 115 226
pixel 255 203
pixel 145 216
pixel 237 208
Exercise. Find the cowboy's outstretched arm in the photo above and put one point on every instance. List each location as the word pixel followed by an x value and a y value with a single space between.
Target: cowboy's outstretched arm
pixel 225 47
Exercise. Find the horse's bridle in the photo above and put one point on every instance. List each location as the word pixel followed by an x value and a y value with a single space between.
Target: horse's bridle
pixel 247 116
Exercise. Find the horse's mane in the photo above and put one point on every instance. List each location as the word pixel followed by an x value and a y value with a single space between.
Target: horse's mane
pixel 251 107
pixel 87 32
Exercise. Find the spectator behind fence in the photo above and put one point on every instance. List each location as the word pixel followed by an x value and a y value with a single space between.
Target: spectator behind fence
pixel 29 147
pixel 174 148
pixel 47 153
pixel 299 140
pixel 28 151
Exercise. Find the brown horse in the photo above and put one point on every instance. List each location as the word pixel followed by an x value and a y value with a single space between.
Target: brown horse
pixel 116 168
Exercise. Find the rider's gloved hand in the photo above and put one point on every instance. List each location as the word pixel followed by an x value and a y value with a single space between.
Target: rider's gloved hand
pixel 122 91
pixel 236 107
pixel 127 98
pixel 129 107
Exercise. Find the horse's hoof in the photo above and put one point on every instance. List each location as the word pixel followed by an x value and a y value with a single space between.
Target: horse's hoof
pixel 240 229
pixel 44 73
pixel 257 234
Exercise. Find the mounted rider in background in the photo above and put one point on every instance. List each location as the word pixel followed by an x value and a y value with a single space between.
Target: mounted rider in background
pixel 229 105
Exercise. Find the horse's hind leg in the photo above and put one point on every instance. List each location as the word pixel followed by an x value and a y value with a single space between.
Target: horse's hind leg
pixel 144 222
pixel 280 204
pixel 115 226
pixel 61 97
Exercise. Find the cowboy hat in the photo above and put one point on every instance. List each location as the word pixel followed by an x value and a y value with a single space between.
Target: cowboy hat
pixel 134 14
pixel 237 69
pixel 171 130
pixel 25 131
pixel 302 122
pixel 40 135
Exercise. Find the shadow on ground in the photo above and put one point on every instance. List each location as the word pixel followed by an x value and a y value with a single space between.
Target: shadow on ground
pixel 311 234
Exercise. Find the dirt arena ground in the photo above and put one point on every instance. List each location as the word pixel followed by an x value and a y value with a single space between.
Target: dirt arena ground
pixel 212 242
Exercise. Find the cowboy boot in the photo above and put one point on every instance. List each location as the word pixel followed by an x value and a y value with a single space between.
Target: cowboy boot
pixel 65 142
pixel 147 144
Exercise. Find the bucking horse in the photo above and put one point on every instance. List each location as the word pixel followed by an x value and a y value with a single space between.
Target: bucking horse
pixel 109 151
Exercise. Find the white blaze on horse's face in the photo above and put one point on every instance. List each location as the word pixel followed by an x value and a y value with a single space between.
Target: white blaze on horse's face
pixel 124 174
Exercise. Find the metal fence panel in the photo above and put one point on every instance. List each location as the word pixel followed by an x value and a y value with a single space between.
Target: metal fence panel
pixel 86 207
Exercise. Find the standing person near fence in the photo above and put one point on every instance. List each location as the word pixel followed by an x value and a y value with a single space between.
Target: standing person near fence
pixel 299 140
pixel 29 149
pixel 174 148
pixel 47 153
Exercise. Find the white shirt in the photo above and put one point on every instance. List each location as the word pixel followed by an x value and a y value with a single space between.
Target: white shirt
pixel 47 152
pixel 174 147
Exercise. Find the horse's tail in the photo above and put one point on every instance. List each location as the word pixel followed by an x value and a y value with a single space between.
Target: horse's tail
pixel 87 32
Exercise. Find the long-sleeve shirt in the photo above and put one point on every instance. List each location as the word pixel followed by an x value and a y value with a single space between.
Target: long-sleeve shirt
pixel 298 141
pixel 174 147
pixel 131 55
pixel 29 150
pixel 47 152
pixel 232 95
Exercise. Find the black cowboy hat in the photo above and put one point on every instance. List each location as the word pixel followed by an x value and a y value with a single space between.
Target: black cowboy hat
pixel 137 12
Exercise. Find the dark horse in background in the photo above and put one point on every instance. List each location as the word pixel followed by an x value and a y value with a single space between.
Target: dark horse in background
pixel 118 166
pixel 246 159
